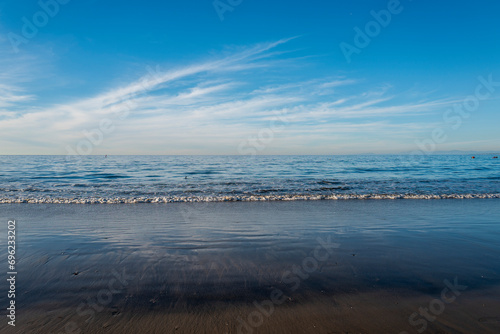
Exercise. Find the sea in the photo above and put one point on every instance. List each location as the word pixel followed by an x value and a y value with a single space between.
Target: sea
pixel 163 179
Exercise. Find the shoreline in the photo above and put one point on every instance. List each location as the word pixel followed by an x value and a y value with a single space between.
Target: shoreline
pixel 252 198
pixel 341 266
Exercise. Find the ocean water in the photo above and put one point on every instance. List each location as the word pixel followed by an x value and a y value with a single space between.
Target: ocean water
pixel 134 179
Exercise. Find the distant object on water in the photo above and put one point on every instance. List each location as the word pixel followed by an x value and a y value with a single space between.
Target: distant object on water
pixel 495 157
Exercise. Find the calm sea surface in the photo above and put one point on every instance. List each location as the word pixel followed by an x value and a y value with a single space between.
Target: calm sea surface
pixel 216 178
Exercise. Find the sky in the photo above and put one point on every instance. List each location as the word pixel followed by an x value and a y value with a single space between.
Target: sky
pixel 248 77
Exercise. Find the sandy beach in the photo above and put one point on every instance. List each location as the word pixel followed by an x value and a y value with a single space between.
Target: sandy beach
pixel 249 167
pixel 376 266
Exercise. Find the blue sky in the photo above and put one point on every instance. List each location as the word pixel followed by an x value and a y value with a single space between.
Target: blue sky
pixel 248 77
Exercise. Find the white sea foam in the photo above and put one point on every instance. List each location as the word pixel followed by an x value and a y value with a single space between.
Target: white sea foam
pixel 165 179
pixel 249 198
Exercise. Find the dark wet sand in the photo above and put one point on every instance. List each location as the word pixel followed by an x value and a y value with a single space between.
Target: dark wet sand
pixel 274 267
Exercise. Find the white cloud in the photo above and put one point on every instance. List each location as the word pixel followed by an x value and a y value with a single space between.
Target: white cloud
pixel 220 102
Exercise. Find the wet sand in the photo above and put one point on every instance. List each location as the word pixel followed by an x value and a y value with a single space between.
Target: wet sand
pixel 377 266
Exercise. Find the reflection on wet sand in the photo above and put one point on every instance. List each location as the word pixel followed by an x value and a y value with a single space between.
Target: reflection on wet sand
pixel 322 267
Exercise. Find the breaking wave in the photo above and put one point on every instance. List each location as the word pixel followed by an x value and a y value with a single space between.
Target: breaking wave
pixel 248 198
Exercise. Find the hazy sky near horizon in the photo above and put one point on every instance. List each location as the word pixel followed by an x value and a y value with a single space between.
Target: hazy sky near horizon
pixel 248 77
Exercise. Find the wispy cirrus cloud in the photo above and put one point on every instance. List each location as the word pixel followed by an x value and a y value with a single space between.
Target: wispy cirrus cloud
pixel 14 73
pixel 210 106
pixel 11 95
